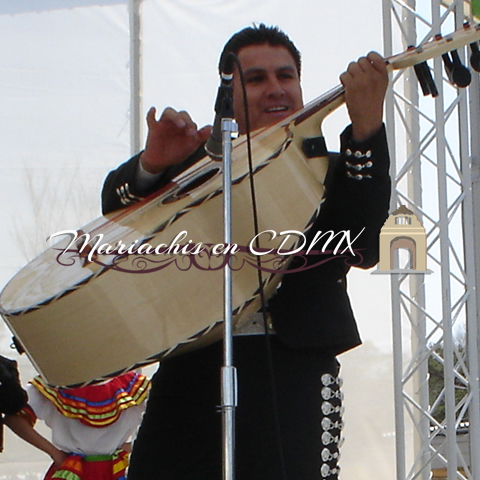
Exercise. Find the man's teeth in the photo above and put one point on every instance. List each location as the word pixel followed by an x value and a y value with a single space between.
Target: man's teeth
pixel 276 109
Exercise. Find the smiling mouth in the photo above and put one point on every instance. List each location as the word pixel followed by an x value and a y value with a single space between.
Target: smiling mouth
pixel 281 108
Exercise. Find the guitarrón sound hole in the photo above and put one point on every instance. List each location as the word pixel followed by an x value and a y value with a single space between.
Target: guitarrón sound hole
pixel 192 185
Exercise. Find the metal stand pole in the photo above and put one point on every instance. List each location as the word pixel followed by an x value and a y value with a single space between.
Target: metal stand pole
pixel 229 373
pixel 219 147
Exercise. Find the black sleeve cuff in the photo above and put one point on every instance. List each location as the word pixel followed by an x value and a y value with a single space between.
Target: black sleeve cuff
pixel 365 160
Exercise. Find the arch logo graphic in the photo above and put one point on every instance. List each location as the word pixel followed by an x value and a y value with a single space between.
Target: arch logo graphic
pixel 403 230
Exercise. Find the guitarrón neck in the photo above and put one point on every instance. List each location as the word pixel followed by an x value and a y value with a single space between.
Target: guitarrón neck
pixel 328 102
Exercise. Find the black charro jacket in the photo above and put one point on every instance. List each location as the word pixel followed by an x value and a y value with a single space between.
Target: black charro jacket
pixel 311 308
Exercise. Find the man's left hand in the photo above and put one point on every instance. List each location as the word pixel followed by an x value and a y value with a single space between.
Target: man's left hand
pixel 365 83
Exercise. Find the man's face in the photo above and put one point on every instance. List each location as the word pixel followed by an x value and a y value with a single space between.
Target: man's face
pixel 272 84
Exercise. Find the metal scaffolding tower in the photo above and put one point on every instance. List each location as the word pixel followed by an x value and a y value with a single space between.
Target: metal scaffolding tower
pixel 435 166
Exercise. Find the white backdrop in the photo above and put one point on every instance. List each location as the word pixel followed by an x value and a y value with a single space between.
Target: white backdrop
pixel 64 123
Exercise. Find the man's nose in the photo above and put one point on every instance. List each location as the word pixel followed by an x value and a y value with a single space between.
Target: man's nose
pixel 275 87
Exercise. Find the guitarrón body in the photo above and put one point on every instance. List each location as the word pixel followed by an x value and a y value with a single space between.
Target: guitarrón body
pixel 79 320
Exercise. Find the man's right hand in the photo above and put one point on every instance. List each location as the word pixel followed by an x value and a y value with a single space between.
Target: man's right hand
pixel 171 139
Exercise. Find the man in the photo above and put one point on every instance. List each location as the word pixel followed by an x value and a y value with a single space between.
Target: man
pixel 288 422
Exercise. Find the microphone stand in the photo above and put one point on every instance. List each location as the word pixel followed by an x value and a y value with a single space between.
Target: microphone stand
pixel 229 373
pixel 221 148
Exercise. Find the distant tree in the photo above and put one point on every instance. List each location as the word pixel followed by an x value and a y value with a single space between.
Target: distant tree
pixel 57 200
pixel 436 380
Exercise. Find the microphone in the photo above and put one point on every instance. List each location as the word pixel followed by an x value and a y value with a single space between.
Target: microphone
pixel 223 108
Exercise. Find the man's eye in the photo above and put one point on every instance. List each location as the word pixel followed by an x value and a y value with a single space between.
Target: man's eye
pixel 255 79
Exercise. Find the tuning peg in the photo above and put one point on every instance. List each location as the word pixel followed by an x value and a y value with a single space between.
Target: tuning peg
pixel 457 73
pixel 475 57
pixel 424 76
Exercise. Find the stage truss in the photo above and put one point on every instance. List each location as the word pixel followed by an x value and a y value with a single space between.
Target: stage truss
pixel 435 155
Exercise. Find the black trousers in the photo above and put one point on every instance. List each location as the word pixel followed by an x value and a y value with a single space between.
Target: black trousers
pixel 289 433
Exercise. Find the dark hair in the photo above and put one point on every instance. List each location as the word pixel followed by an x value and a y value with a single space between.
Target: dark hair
pixel 259 35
